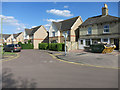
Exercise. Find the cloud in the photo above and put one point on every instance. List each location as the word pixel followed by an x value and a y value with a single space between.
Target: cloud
pixel 47 26
pixel 65 13
pixel 33 26
pixel 55 20
pixel 66 6
pixel 11 21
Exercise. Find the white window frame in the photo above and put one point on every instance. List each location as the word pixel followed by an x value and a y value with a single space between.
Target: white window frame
pixel 53 34
pixel 106 29
pixel 89 28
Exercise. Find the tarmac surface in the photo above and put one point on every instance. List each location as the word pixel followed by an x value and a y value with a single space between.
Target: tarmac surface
pixel 38 69
pixel 96 59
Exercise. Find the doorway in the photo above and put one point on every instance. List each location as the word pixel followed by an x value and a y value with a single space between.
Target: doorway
pixel 116 42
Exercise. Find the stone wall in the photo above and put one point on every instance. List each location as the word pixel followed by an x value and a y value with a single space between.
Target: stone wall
pixel 71 45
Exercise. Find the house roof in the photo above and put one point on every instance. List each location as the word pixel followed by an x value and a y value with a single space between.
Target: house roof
pixel 28 31
pixel 5 35
pixel 35 29
pixel 16 35
pixel 99 19
pixel 32 30
pixel 66 24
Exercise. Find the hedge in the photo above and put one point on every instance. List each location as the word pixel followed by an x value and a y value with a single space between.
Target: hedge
pixel 52 46
pixel 26 46
pixel 97 48
pixel 43 46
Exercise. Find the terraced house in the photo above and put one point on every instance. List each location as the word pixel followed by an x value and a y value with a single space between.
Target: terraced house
pixel 37 35
pixel 4 40
pixel 102 28
pixel 70 25
pixel 13 38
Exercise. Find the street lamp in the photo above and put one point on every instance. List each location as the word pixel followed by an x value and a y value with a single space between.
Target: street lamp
pixel 65 34
pixel 1 40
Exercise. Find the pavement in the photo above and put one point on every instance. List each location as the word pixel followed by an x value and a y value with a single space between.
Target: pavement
pixel 38 69
pixel 109 60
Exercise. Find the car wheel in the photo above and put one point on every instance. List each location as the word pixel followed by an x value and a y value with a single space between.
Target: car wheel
pixel 12 51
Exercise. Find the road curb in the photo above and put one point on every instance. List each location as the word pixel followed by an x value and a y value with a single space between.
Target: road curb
pixel 55 57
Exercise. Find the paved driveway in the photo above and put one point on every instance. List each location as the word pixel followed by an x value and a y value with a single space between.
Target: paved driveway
pixel 37 69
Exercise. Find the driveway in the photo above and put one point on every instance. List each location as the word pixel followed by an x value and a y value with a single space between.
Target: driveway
pixel 37 69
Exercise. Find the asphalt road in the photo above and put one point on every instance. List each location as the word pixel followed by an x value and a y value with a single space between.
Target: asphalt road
pixel 37 69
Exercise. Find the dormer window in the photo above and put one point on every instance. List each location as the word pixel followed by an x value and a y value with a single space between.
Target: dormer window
pixel 106 29
pixel 89 30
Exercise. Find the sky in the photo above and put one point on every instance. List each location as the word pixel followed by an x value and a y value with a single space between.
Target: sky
pixel 20 15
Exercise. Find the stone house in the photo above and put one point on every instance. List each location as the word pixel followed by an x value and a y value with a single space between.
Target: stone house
pixel 37 35
pixel 102 28
pixel 58 28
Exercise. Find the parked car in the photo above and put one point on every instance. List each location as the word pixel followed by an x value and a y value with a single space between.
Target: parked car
pixel 12 48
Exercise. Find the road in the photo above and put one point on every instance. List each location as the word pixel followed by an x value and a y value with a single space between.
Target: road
pixel 37 69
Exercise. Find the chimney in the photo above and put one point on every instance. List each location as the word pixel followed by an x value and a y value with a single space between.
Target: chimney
pixel 105 10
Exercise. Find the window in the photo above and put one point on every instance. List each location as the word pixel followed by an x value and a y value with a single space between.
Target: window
pixel 81 42
pixel 87 42
pixel 105 40
pixel 53 34
pixel 89 30
pixel 106 28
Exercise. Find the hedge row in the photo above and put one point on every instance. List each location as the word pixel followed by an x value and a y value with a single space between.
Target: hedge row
pixel 43 46
pixel 26 46
pixel 52 46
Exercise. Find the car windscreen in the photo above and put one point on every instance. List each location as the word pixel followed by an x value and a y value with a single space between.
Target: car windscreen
pixel 17 45
pixel 10 45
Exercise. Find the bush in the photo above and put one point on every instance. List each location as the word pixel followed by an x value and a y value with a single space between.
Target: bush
pixel 27 46
pixel 56 46
pixel 43 46
pixel 29 41
pixel 4 44
pixel 52 46
pixel 97 48
pixel 20 43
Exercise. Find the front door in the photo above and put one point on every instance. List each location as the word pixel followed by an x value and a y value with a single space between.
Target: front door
pixel 116 42
pixel 81 43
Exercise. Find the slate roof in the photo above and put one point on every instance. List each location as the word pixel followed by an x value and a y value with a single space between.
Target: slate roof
pixel 35 29
pixel 66 24
pixel 32 30
pixel 16 35
pixel 5 36
pixel 28 31
pixel 99 19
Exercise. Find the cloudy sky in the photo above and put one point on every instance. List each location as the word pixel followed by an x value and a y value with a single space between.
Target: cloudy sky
pixel 19 15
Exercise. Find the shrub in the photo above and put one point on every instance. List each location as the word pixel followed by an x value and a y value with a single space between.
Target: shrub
pixel 29 41
pixel 52 46
pixel 97 48
pixel 27 46
pixel 56 46
pixel 20 43
pixel 43 46
pixel 4 44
